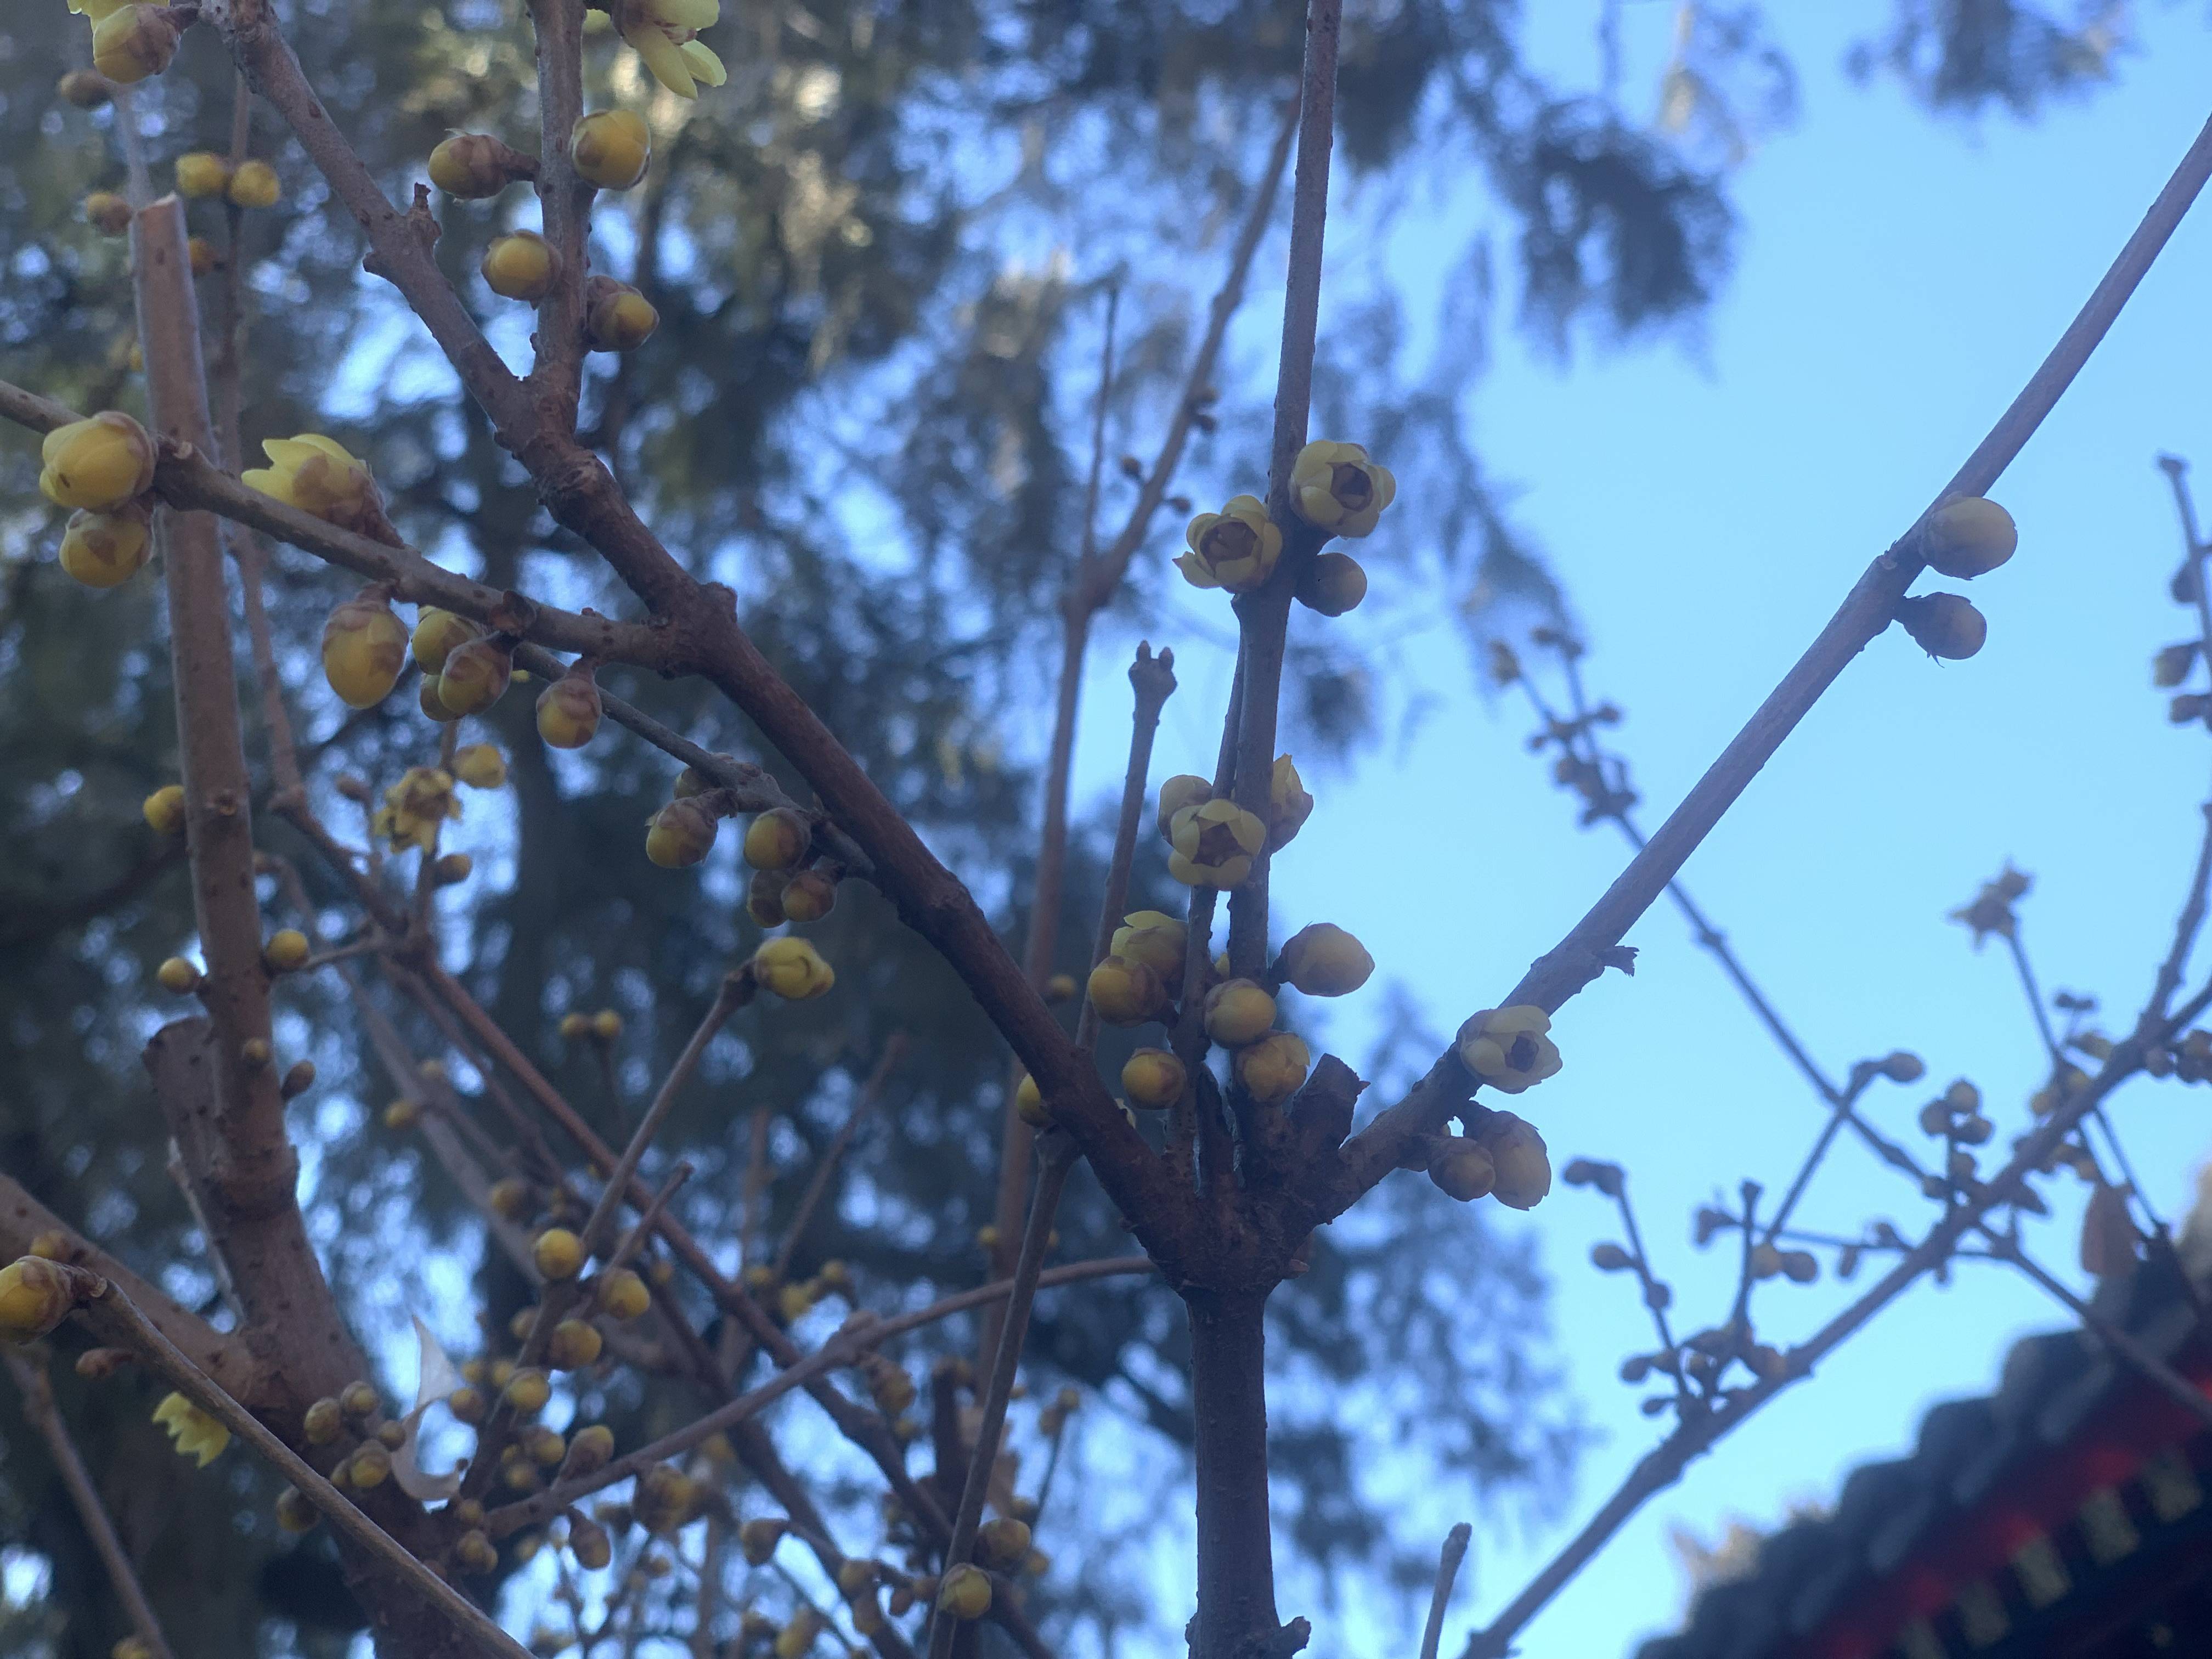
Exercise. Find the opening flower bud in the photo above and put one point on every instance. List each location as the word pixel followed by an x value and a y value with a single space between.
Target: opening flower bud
pixel 1944 625
pixel 287 951
pixel 616 317
pixel 476 675
pixel 480 766
pixel 610 148
pixel 108 213
pixel 809 896
pixel 1155 938
pixel 1333 584
pixel 1968 538
pixel 1238 1011
pixel 965 1593
pixel 1524 1162
pixel 1325 960
pixel 254 186
pixel 320 475
pixel 1235 549
pixel 558 1253
pixel 792 969
pixel 777 839
pixel 198 1435
pixel 1127 992
pixel 1214 844
pixel 472 165
pixel 132 42
pixel 679 834
pixel 1507 1049
pixel 364 648
pixel 97 463
pixel 202 172
pixel 35 1296
pixel 165 810
pixel 1178 792
pixel 1337 488
pixel 521 265
pixel 568 710
pixel 106 549
pixel 1273 1068
pixel 1153 1079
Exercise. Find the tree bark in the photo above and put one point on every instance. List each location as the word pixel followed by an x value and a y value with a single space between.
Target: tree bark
pixel 1236 1555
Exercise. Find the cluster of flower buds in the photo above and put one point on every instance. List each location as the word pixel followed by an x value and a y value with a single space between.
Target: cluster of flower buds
pixel 1335 488
pixel 416 808
pixel 1965 538
pixel 102 466
pixel 203 175
pixel 1502 1156
pixel 1991 911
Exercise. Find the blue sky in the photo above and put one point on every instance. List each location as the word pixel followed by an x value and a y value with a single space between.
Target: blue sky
pixel 1898 278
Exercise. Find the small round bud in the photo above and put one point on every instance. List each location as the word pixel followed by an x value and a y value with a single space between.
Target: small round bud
pixel 965 1593
pixel 610 148
pixel 200 254
pixel 589 1450
pixel 558 1253
pixel 369 1467
pixel 35 1296
pixel 1029 1103
pixel 358 1400
pixel 1800 1267
pixel 574 1345
pixel 1061 987
pixel 102 550
pixel 438 635
pixel 98 463
pixel 474 1553
pixel 543 1446
pixel 575 1025
pixel 809 896
pixel 777 839
pixel 528 1390
pixel 1002 1544
pixel 133 42
pixel 623 1294
pixel 293 1512
pixel 606 1025
pixel 323 1422
pixel 1125 992
pixel 108 213
pixel 476 675
pixel 1333 584
pixel 792 969
pixel 616 317
pixel 165 810
pixel 1944 625
pixel 757 1539
pixel 178 977
pixel 364 648
pixel 1903 1068
pixel 467 1404
pixel 679 834
pixel 1273 1068
pixel 1238 1011
pixel 569 711
pixel 472 165
pixel 451 869
pixel 1325 960
pixel 84 88
pixel 1610 1258
pixel 521 265
pixel 297 1079
pixel 286 951
pixel 666 1498
pixel 254 186
pixel 1153 1079
pixel 1968 538
pixel 202 172
pixel 480 766
pixel 513 1198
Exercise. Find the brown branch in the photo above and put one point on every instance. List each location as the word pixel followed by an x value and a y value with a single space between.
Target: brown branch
pixel 43 1415
pixel 565 208
pixel 1154 681
pixel 1454 1552
pixel 1579 958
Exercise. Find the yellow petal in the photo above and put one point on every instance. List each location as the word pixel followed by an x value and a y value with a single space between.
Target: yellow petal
pixel 703 63
pixel 661 57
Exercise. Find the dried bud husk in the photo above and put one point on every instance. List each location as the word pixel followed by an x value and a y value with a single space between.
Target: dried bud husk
pixel 476 675
pixel 569 709
pixel 1944 625
pixel 364 648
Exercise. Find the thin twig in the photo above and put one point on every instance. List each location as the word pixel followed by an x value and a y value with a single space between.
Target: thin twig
pixel 1454 1552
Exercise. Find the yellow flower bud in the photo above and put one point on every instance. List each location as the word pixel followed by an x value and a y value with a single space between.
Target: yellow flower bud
pixel 1002 1544
pixel 97 464
pixel 202 172
pixel 777 839
pixel 1968 536
pixel 1506 1047
pixel 472 165
pixel 480 766
pixel 610 148
pixel 178 977
pixel 666 1498
pixel 792 969
pixel 619 319
pixel 1336 487
pixel 1059 988
pixel 84 88
pixel 568 710
pixel 438 635
pixel 132 1647
pixel 293 1512
pixel 320 475
pixel 1289 805
pixel 808 896
pixel 1153 1078
pixel 297 1079
pixel 165 810
pixel 35 1296
pixel 512 1198
pixel 589 1451
pixel 679 834
pixel 132 42
pixel 606 1025
pixel 528 1389
pixel 1178 792
pixel 476 675
pixel 1235 549
pixel 574 1345
pixel 623 1294
pixel 521 265
pixel 254 186
pixel 589 1543
pixel 1273 1068
pixel 575 1025
pixel 541 1445
pixel 1325 960
pixel 1238 1011
pixel 432 705
pixel 1333 584
pixel 108 213
pixel 965 1593
pixel 1463 1170
pixel 364 648
pixel 403 1114
pixel 287 951
pixel 558 1253
pixel 1155 938
pixel 757 1539
pixel 794 1301
pixel 1029 1103
pixel 1127 992
pixel 197 1434
pixel 1944 624
pixel 1214 844
pixel 1524 1164
pixel 323 1422
pixel 200 254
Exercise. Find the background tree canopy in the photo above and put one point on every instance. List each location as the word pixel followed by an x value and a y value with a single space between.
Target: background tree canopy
pixel 882 258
